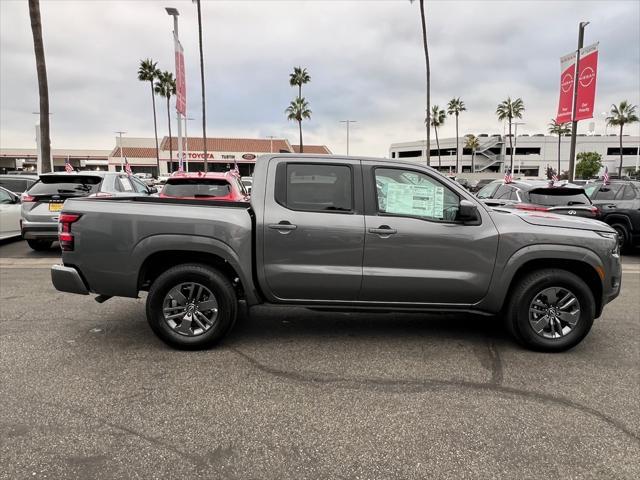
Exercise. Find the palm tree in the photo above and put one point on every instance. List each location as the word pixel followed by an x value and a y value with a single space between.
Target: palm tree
pixel 299 77
pixel 473 144
pixel 454 107
pixel 298 110
pixel 559 129
pixel 438 116
pixel 166 87
pixel 621 115
pixel 204 115
pixel 43 86
pixel 508 110
pixel 148 72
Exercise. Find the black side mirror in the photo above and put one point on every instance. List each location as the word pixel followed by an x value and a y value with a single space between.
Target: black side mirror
pixel 468 212
pixel 152 190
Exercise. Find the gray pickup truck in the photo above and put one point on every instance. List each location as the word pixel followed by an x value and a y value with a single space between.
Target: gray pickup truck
pixel 341 233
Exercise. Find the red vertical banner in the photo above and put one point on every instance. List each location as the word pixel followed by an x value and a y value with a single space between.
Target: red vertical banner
pixel 181 88
pixel 567 71
pixel 588 69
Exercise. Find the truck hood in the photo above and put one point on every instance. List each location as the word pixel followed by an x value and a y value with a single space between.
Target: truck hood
pixel 545 219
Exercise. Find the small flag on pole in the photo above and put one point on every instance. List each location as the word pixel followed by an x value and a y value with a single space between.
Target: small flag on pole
pixel 127 167
pixel 508 177
pixel 554 176
pixel 67 166
pixel 235 170
pixel 605 177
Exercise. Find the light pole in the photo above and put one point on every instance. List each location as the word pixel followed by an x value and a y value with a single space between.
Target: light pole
pixel 186 142
pixel 204 116
pixel 120 133
pixel 348 122
pixel 574 122
pixel 515 142
pixel 271 137
pixel 173 12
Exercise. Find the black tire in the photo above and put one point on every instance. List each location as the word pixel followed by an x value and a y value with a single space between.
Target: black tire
pixel 203 275
pixel 624 238
pixel 40 245
pixel 528 287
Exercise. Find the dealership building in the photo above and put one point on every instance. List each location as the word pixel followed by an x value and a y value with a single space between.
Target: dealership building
pixel 532 153
pixel 25 159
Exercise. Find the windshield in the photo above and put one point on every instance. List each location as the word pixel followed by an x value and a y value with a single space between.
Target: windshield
pixel 554 197
pixel 197 187
pixel 69 185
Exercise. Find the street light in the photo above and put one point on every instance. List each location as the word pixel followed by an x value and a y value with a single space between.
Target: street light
pixel 186 142
pixel 348 122
pixel 120 133
pixel 515 143
pixel 271 137
pixel 173 12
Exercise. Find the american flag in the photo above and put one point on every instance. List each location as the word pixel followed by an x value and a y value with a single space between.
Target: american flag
pixel 127 167
pixel 235 170
pixel 508 177
pixel 68 167
pixel 554 176
pixel 605 177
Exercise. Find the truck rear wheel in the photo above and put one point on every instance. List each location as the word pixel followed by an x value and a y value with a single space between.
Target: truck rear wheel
pixel 40 245
pixel 191 306
pixel 550 310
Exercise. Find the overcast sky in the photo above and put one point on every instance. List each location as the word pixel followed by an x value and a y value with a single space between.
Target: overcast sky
pixel 365 60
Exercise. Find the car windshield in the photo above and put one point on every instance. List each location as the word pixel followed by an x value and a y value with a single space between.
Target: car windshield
pixel 554 197
pixel 69 185
pixel 196 187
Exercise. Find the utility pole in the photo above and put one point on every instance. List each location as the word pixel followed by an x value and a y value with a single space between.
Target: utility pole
pixel 173 12
pixel 515 142
pixel 120 133
pixel 574 122
pixel 204 116
pixel 348 122
pixel 270 137
pixel 186 143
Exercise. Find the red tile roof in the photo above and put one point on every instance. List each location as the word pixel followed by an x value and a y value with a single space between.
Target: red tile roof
pixel 260 145
pixel 134 152
pixel 322 149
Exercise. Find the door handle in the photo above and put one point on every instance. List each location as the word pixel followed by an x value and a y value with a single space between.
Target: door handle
pixel 383 230
pixel 282 226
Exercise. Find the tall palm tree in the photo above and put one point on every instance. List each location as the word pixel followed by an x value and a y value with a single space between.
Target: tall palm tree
pixel 166 87
pixel 508 110
pixel 43 86
pixel 299 77
pixel 204 115
pixel 438 117
pixel 559 129
pixel 298 110
pixel 454 107
pixel 473 144
pixel 148 72
pixel 621 115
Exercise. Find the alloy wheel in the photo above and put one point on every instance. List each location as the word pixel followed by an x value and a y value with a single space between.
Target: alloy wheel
pixel 190 309
pixel 554 312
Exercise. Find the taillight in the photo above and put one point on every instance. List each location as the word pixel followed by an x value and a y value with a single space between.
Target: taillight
pixel 595 211
pixel 64 230
pixel 25 197
pixel 530 207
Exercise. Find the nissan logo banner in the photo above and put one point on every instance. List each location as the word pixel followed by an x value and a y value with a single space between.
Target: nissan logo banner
pixel 587 72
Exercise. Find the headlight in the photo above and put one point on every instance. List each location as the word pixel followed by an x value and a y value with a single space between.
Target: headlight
pixel 613 236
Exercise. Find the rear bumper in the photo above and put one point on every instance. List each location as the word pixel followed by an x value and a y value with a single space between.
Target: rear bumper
pixel 68 279
pixel 39 230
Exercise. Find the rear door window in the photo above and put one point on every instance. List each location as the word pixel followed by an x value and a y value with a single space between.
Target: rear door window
pixel 608 192
pixel 197 187
pixel 14 184
pixel 554 197
pixel 488 190
pixel 66 185
pixel 316 188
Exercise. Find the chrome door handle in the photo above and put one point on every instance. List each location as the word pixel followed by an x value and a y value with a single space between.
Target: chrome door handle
pixel 383 230
pixel 282 226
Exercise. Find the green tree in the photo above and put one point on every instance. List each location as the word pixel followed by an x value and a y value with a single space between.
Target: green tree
pixel 148 72
pixel 589 164
pixel 620 115
pixel 558 129
pixel 438 117
pixel 299 77
pixel 43 85
pixel 298 110
pixel 454 107
pixel 473 144
pixel 166 87
pixel 508 110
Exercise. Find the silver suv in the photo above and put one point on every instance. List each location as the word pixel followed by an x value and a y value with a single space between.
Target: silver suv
pixel 42 203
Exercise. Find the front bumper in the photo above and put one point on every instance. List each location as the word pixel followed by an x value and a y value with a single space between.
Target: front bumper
pixel 39 230
pixel 68 279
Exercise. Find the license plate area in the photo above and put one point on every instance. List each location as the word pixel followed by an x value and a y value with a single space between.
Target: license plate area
pixel 56 207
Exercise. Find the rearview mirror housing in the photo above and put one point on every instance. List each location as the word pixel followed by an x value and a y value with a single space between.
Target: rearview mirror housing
pixel 152 190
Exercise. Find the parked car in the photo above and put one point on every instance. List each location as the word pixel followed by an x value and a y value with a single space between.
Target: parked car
pixel 17 183
pixel 537 195
pixel 9 214
pixel 147 178
pixel 463 181
pixel 341 233
pixel 619 205
pixel 247 182
pixel 205 186
pixel 42 203
pixel 480 184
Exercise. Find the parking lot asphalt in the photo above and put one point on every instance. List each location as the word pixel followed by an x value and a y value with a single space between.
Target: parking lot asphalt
pixel 87 391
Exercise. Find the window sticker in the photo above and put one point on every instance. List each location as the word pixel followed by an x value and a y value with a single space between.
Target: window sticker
pixel 424 200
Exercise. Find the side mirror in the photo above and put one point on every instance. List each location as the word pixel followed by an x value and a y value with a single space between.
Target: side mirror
pixel 152 190
pixel 468 212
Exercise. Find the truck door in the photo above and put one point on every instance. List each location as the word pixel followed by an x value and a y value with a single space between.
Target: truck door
pixel 313 230
pixel 415 249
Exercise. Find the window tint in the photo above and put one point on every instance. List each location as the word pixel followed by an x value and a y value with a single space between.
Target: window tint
pixel 67 185
pixel 414 194
pixel 197 187
pixel 503 192
pixel 14 184
pixel 5 197
pixel 608 192
pixel 550 197
pixel 320 188
pixel 488 190
pixel 629 193
pixel 139 185
pixel 125 184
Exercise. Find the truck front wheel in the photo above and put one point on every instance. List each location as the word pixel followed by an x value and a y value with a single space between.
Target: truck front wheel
pixel 550 310
pixel 191 306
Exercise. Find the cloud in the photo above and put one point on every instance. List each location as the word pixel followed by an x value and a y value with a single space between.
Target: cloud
pixel 365 59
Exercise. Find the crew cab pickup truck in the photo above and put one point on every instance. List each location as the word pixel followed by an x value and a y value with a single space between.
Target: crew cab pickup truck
pixel 341 233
